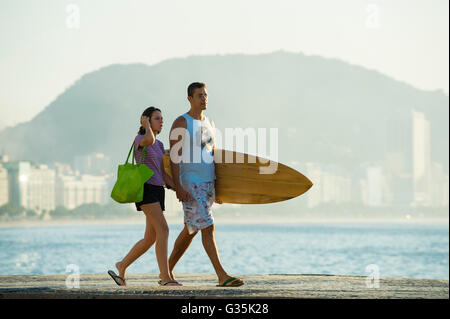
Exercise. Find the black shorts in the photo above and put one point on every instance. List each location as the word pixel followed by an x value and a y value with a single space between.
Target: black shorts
pixel 152 194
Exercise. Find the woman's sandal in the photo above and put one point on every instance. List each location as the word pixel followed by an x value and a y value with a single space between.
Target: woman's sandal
pixel 115 277
pixel 169 282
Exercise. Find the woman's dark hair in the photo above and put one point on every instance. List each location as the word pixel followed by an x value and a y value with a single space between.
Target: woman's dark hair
pixel 148 112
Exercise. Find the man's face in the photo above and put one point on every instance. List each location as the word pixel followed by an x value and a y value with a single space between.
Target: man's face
pixel 199 99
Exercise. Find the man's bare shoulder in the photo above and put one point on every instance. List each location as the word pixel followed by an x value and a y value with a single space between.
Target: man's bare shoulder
pixel 179 122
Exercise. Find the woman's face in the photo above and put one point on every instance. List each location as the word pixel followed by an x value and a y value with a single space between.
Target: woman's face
pixel 156 121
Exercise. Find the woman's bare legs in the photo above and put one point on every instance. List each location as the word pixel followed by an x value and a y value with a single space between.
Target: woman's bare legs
pixel 158 221
pixel 156 231
pixel 139 248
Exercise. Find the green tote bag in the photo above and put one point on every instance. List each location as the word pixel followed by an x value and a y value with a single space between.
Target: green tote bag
pixel 129 187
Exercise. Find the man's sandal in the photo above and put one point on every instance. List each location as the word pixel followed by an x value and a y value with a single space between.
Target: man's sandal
pixel 231 282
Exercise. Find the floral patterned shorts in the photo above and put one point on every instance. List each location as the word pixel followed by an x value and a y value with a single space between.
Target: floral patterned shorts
pixel 197 213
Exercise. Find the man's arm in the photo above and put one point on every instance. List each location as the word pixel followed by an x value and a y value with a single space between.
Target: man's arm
pixel 168 181
pixel 217 200
pixel 178 128
pixel 214 144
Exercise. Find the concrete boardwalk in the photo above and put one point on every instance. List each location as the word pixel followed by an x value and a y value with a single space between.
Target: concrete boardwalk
pixel 200 286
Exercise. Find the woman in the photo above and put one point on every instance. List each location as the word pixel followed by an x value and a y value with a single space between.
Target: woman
pixel 153 201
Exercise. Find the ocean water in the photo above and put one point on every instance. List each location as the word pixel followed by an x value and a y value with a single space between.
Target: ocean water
pixel 397 250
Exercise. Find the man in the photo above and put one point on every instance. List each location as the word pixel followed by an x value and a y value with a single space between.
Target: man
pixel 192 166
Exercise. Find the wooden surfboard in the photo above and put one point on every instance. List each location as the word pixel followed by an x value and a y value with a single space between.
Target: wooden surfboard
pixel 242 183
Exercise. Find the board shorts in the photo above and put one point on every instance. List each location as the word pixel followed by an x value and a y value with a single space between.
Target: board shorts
pixel 152 194
pixel 198 212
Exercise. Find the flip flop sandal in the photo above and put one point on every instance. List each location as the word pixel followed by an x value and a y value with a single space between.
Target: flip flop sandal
pixel 115 277
pixel 160 282
pixel 236 284
pixel 169 282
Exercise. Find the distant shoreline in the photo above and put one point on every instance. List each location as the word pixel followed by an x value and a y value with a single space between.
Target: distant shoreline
pixel 174 220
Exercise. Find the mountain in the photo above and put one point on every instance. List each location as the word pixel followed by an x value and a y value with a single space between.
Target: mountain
pixel 326 110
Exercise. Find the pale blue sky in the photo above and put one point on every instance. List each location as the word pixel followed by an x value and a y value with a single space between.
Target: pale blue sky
pixel 41 56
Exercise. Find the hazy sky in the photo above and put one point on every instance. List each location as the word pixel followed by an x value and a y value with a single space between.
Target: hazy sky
pixel 45 48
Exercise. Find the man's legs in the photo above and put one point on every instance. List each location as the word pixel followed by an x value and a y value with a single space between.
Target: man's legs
pixel 210 245
pixel 197 214
pixel 179 248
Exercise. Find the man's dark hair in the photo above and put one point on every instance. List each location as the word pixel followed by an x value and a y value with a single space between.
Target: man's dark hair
pixel 148 112
pixel 193 86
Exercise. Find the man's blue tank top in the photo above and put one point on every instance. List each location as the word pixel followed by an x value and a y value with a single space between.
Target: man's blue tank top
pixel 197 163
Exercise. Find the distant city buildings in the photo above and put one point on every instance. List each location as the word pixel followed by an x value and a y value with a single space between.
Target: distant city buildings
pixel 4 192
pixel 430 181
pixel 41 189
pixel 93 164
pixel 31 187
pixel 73 191
pixel 399 192
pixel 421 159
pixel 18 173
pixel 439 190
pixel 406 178
pixel 314 195
pixel 331 185
pixel 375 182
